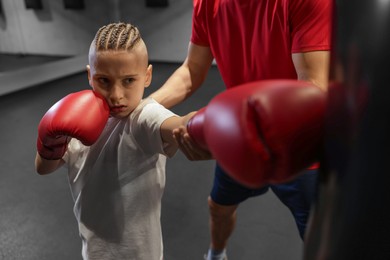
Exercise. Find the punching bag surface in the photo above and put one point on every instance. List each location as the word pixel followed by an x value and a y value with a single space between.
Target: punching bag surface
pixel 351 217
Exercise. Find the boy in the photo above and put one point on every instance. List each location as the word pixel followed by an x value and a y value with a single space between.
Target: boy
pixel 117 182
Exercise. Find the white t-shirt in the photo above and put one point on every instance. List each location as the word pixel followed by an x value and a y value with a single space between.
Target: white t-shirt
pixel 117 185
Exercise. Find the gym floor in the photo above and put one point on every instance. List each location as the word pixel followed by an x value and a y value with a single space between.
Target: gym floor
pixel 36 212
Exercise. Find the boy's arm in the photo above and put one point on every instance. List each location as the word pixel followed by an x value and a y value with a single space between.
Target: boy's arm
pixel 172 123
pixel 174 132
pixel 82 115
pixel 43 166
pixel 180 85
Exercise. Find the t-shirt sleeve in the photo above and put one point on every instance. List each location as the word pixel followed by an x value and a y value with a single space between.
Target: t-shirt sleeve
pixel 199 35
pixel 310 25
pixel 72 146
pixel 147 129
pixel 75 150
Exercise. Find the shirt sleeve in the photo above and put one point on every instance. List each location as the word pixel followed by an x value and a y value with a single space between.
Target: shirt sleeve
pixel 199 35
pixel 70 150
pixel 310 25
pixel 74 151
pixel 147 128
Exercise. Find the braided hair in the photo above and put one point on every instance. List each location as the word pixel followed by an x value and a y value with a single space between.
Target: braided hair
pixel 116 36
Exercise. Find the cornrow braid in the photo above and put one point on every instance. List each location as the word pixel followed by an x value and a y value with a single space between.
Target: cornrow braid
pixel 117 36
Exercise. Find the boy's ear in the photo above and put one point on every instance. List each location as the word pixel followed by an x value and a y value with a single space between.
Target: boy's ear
pixel 149 72
pixel 89 74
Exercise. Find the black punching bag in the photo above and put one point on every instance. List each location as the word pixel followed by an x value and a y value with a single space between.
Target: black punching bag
pixel 351 218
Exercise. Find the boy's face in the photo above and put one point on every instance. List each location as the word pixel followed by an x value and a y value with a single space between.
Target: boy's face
pixel 121 77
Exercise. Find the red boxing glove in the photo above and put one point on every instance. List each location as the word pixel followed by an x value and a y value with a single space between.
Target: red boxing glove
pixel 195 128
pixel 82 115
pixel 263 132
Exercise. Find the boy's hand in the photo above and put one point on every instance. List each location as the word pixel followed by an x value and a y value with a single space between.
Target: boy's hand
pixel 81 115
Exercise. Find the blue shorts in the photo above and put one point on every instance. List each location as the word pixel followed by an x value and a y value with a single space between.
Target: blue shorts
pixel 298 194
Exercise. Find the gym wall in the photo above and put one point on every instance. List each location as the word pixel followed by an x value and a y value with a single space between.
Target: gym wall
pixel 54 29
